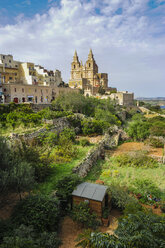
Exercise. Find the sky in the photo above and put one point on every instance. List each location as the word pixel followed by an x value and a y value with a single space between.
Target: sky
pixel 127 38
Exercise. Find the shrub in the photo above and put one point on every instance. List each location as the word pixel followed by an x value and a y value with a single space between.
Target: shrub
pixel 64 152
pixel 146 187
pixel 155 142
pixel 68 133
pixel 107 116
pixel 158 128
pixel 162 207
pixel 92 126
pixel 64 193
pixel 84 142
pixel 40 211
pixel 50 114
pixel 138 130
pixel 25 237
pixel 5 228
pixel 74 121
pixel 82 214
pixel 137 160
pixel 139 230
pixel 48 138
pixel 120 197
pixel 132 208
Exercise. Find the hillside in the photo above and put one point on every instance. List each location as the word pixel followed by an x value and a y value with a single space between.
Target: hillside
pixel 45 154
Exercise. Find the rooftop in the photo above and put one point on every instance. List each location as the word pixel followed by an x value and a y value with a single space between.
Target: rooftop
pixel 90 191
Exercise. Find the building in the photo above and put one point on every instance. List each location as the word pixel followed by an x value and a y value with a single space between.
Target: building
pixel 123 98
pixel 38 94
pixel 94 194
pixel 27 73
pixel 26 82
pixel 86 77
pixel 1 92
pixel 9 69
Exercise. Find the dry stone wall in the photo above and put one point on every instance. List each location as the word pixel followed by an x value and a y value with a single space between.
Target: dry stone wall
pixel 108 142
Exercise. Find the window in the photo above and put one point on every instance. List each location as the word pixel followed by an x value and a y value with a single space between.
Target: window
pixel 16 65
pixel 10 78
pixel 9 61
pixel 3 57
pixel 35 90
pixel 15 74
pixel 15 90
pixel 41 99
pixel 89 65
pixel 22 90
pixel 4 89
pixel 74 66
pixel 36 99
pixel 41 91
pixel 5 65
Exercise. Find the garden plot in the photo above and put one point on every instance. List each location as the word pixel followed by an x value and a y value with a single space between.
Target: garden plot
pixel 130 167
pixel 135 146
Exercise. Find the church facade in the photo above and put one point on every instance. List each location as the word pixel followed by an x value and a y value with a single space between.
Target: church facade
pixel 86 77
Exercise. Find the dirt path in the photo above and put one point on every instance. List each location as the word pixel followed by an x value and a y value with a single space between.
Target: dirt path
pixel 70 229
pixel 136 146
pixel 7 204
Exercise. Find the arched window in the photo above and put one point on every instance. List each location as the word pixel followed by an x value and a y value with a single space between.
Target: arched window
pixel 89 64
pixel 74 66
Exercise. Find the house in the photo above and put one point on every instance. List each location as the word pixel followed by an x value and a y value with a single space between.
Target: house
pixel 95 194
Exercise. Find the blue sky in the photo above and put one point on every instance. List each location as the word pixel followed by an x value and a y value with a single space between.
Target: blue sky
pixel 127 38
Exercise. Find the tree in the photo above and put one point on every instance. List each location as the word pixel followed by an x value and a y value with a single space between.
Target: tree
pixel 64 194
pixel 22 177
pixel 40 211
pixel 138 130
pixel 106 115
pixel 101 90
pixel 25 237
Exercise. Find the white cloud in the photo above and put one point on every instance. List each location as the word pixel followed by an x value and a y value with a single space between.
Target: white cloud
pixel 123 45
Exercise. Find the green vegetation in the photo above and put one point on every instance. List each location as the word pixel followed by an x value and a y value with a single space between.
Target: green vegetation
pixel 82 214
pixel 137 159
pixel 40 211
pixel 137 173
pixel 84 142
pixel 140 127
pixel 25 237
pixel 40 171
pixel 141 230
pixel 64 193
pixel 60 170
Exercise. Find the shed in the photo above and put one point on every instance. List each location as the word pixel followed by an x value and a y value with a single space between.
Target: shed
pixel 95 194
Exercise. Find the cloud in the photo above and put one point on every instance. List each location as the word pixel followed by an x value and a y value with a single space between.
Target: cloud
pixel 26 2
pixel 124 45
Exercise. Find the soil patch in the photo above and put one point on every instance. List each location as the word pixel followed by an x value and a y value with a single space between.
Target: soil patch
pixel 135 146
pixel 70 229
pixel 7 204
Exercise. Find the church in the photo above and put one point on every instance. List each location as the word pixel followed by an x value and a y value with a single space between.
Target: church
pixel 87 78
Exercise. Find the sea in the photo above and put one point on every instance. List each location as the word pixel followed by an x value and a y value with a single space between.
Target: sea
pixel 162 107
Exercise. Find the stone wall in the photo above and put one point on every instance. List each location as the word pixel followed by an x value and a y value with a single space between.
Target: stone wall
pixel 109 141
pixel 58 125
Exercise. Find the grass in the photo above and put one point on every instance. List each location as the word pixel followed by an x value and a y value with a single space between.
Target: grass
pixel 110 173
pixel 61 170
pixel 20 130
